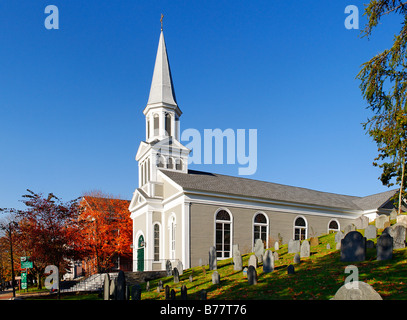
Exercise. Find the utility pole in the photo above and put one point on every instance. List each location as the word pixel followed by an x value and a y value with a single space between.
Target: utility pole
pixel 11 257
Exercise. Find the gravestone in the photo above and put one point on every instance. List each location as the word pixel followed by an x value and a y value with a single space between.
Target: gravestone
pixel 244 272
pixel 252 275
pixel 172 294
pixel 259 250
pixel 369 244
pixel 215 277
pixel 184 292
pixel 402 219
pixel 202 294
pixel 180 268
pixel 212 259
pixel 160 285
pixel 237 258
pixel 305 249
pixel 167 292
pixel 328 246
pixel 268 262
pixel 314 241
pixel 112 289
pixel 362 222
pixel 380 221
pixel 371 232
pixel 106 287
pixel 290 269
pixel 359 291
pixel 393 214
pixel 398 232
pixel 297 258
pixel 350 227
pixel 121 286
pixel 276 246
pixel 191 279
pixel 253 261
pixel 148 286
pixel 293 246
pixel 339 236
pixel 136 292
pixel 168 268
pixel 275 256
pixel 384 247
pixel 353 247
pixel 176 275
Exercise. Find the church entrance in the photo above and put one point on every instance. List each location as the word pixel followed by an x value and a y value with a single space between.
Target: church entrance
pixel 140 254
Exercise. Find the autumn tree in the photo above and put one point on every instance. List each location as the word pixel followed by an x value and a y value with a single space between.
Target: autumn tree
pixel 107 232
pixel 383 84
pixel 50 230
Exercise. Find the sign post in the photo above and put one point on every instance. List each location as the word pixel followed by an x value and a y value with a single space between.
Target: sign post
pixel 25 264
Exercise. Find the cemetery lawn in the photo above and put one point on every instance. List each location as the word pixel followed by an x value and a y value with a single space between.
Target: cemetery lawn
pixel 316 278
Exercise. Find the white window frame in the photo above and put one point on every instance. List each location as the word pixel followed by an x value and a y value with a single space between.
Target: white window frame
pixel 230 222
pixel 261 225
pixel 300 227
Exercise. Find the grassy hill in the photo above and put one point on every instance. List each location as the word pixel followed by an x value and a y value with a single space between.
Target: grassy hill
pixel 316 278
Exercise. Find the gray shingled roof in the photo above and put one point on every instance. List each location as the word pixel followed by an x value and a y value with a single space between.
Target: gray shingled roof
pixel 212 182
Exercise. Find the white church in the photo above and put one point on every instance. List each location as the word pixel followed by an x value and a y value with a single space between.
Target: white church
pixel 178 214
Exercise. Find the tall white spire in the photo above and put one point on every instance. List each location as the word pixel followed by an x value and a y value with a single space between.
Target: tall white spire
pixel 162 88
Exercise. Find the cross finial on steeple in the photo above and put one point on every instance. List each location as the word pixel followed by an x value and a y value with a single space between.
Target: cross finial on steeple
pixel 161 20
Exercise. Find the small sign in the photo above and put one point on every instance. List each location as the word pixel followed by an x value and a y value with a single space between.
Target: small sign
pixel 23 280
pixel 25 264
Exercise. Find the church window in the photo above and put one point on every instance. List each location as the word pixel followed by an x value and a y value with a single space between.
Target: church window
pixel 156 125
pixel 260 228
pixel 223 234
pixel 148 128
pixel 160 161
pixel 300 228
pixel 170 164
pixel 156 242
pixel 178 164
pixel 333 226
pixel 168 124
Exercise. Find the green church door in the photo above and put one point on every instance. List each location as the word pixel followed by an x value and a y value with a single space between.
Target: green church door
pixel 140 254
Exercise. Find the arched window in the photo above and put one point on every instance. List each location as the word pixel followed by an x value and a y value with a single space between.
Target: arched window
pixel 178 164
pixel 170 164
pixel 160 161
pixel 300 228
pixel 223 234
pixel 260 228
pixel 156 242
pixel 333 226
pixel 156 125
pixel 168 124
pixel 140 253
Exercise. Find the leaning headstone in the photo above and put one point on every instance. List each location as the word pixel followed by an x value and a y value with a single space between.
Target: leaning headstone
pixel 380 221
pixel 371 232
pixel 252 275
pixel 357 291
pixel 402 219
pixel 384 247
pixel 176 275
pixel 353 247
pixel 168 268
pixel 305 249
pixel 106 287
pixel 398 232
pixel 253 261
pixel 215 277
pixel 350 227
pixel 290 269
pixel 276 246
pixel 237 258
pixel 167 292
pixel 180 268
pixel 212 259
pixel 362 222
pixel 136 292
pixel 297 258
pixel 293 246
pixel 259 250
pixel 184 292
pixel 268 262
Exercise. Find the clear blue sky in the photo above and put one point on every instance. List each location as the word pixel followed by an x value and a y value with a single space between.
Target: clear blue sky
pixel 71 100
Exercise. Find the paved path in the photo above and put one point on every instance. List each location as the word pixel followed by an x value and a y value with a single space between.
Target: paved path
pixel 6 295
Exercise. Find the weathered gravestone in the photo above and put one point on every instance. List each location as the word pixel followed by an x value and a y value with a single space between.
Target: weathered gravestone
pixel 268 262
pixel 244 272
pixel 148 286
pixel 371 232
pixel 180 268
pixel 294 246
pixel 328 246
pixel 168 268
pixel 314 241
pixel 202 294
pixel 380 221
pixel 276 246
pixel 184 292
pixel 252 275
pixel 176 275
pixel 106 287
pixel 357 291
pixel 167 292
pixel 160 285
pixel 172 294
pixel 212 259
pixel 237 258
pixel 393 214
pixel 290 269
pixel 338 238
pixel 384 247
pixel 297 258
pixel 136 292
pixel 275 256
pixel 253 261
pixel 362 222
pixel 215 277
pixel 259 250
pixel 112 289
pixel 398 232
pixel 353 247
pixel 191 278
pixel 402 219
pixel 305 249
pixel 350 227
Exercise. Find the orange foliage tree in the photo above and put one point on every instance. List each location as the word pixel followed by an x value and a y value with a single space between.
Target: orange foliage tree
pixel 107 231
